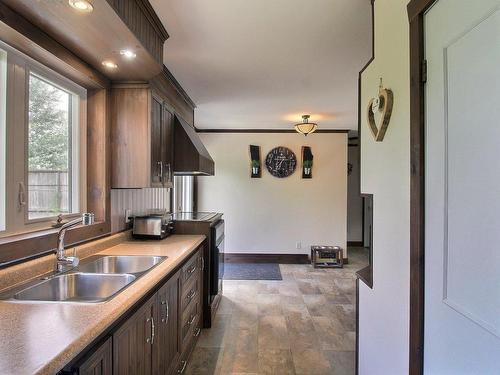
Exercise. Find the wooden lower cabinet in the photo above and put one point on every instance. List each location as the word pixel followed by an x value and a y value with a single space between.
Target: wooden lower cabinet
pixel 159 337
pixel 133 342
pixel 100 362
pixel 167 351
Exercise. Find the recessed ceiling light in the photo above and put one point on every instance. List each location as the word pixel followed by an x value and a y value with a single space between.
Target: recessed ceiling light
pixel 81 5
pixel 109 64
pixel 129 54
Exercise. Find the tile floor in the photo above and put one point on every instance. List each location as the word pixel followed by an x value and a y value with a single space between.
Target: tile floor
pixel 304 324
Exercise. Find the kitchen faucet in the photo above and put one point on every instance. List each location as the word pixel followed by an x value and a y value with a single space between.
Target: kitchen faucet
pixel 64 262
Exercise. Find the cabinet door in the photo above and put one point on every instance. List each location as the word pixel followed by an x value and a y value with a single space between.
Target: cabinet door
pixel 156 142
pixel 99 362
pixel 168 347
pixel 130 137
pixel 167 145
pixel 133 342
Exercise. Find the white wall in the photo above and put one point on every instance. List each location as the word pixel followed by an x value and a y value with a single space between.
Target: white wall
pixel 269 215
pixel 354 200
pixel 384 311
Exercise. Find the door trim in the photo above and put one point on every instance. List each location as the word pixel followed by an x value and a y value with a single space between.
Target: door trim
pixel 416 10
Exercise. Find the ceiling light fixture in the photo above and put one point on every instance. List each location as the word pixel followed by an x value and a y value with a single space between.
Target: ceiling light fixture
pixel 109 64
pixel 81 5
pixel 129 54
pixel 306 127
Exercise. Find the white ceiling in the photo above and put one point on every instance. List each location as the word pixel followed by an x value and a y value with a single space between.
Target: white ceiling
pixel 264 63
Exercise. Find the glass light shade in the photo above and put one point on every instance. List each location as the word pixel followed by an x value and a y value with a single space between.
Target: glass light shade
pixel 306 127
pixel 81 5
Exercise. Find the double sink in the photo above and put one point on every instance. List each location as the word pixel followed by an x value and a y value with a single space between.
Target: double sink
pixel 97 280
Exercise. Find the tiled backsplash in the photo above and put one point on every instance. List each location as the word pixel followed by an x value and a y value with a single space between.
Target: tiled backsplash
pixel 136 200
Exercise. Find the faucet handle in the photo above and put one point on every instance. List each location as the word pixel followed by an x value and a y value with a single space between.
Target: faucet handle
pixel 73 260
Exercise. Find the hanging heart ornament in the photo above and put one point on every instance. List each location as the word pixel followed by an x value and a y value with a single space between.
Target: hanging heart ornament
pixel 381 104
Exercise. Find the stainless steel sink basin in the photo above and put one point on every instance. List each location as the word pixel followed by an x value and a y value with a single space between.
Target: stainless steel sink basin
pixel 111 264
pixel 76 287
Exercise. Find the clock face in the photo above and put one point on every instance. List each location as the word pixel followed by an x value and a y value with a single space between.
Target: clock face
pixel 281 162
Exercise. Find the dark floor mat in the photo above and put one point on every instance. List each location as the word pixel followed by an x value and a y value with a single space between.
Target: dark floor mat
pixel 252 271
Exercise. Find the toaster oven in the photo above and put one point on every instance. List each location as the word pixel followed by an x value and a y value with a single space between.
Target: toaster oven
pixel 153 226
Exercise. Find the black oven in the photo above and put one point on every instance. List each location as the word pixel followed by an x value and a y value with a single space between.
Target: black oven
pixel 217 259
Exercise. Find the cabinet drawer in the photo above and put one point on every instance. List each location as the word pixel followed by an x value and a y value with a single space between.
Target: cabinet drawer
pixel 190 320
pixel 191 292
pixel 190 268
pixel 189 346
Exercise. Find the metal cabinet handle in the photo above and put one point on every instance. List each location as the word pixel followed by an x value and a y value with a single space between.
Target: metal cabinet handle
pixel 161 168
pixel 191 270
pixel 197 333
pixel 183 368
pixel 152 330
pixel 150 340
pixel 191 294
pixel 165 320
pixel 169 172
pixel 202 260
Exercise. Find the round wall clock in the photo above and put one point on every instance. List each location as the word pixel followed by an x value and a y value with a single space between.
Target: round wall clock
pixel 281 162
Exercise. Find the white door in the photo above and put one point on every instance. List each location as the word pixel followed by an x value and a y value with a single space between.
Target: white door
pixel 462 246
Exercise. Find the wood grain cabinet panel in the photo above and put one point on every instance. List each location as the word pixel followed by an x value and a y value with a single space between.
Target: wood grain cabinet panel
pixel 167 350
pixel 167 145
pixel 100 362
pixel 142 138
pixel 133 342
pixel 156 142
pixel 130 137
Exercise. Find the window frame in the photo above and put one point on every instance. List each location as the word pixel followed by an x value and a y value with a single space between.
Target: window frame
pixel 77 136
pixel 32 41
pixel 19 69
pixel 3 138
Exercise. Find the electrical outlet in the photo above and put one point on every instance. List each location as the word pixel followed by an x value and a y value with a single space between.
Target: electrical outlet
pixel 298 245
pixel 128 214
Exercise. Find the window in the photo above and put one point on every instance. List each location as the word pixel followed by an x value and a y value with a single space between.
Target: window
pixel 52 150
pixel 42 163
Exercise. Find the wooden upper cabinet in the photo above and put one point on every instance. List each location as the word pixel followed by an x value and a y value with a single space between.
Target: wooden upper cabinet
pixel 167 150
pixel 156 142
pixel 141 138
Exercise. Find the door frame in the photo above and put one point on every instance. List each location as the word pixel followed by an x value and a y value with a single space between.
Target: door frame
pixel 416 10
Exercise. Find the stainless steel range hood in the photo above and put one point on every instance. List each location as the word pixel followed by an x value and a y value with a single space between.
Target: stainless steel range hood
pixel 191 157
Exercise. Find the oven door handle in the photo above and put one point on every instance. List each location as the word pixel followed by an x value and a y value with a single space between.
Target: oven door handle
pixel 219 240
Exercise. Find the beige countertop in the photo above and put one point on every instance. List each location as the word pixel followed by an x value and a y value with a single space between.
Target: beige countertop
pixel 42 337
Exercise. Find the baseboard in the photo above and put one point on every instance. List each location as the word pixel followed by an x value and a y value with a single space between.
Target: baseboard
pixel 346 260
pixel 355 243
pixel 266 258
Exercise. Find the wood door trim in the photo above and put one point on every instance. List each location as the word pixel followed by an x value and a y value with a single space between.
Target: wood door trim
pixel 355 243
pixel 416 10
pixel 266 258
